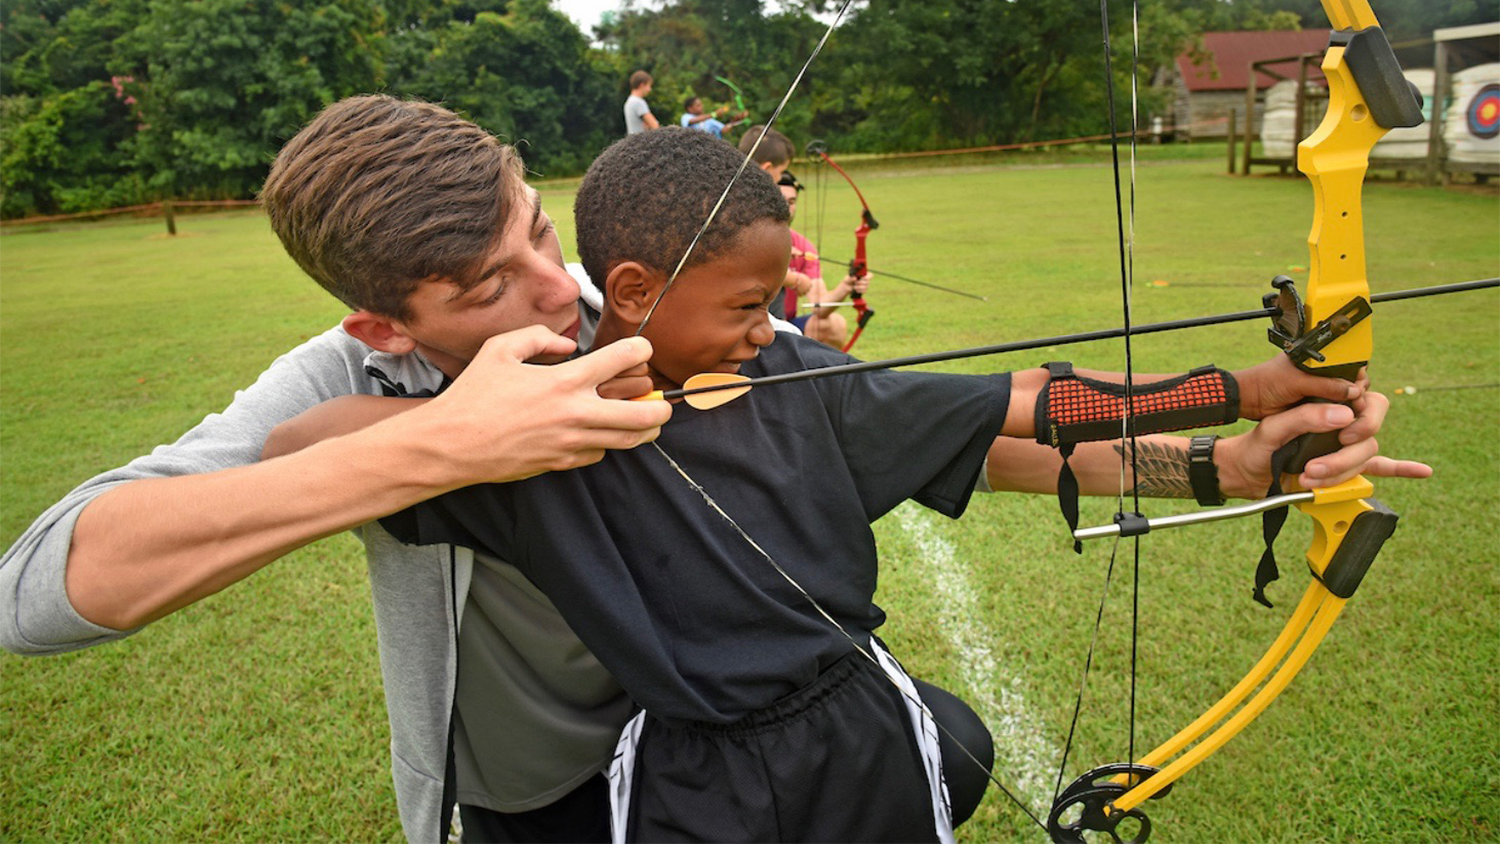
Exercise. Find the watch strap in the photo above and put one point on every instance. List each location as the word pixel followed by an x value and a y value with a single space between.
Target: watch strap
pixel 1203 475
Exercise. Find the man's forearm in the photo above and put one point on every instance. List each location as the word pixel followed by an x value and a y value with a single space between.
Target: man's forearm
pixel 150 547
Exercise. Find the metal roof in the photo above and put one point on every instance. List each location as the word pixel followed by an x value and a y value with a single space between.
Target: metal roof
pixel 1230 55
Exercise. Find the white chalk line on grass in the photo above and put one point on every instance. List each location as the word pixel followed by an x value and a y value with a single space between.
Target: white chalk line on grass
pixel 1023 755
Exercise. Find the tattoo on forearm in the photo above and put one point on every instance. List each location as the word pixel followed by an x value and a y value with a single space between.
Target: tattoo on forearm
pixel 1161 470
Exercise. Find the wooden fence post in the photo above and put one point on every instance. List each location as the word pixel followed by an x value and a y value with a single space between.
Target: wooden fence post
pixel 1436 169
pixel 1249 123
pixel 1230 139
pixel 166 211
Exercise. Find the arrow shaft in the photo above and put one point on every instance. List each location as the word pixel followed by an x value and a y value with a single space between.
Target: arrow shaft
pixel 1066 339
pixel 825 259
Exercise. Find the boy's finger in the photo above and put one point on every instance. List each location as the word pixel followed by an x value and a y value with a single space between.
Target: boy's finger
pixel 625 387
pixel 1287 425
pixel 1370 415
pixel 1332 389
pixel 1339 466
pixel 1387 467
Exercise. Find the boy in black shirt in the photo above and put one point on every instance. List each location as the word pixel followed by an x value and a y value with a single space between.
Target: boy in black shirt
pixel 762 720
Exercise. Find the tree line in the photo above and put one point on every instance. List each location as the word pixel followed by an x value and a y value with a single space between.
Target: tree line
pixel 107 103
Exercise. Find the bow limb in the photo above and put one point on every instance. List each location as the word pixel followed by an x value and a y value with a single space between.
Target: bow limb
pixel 739 98
pixel 859 267
pixel 1367 97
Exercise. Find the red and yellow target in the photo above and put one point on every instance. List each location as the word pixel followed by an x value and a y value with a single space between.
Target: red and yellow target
pixel 1484 112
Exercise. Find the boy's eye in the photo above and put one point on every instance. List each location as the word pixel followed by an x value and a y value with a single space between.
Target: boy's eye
pixel 495 297
pixel 545 231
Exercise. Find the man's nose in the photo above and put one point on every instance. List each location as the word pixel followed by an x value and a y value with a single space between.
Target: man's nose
pixel 558 288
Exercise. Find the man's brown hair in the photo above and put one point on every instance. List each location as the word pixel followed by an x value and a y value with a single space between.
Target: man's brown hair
pixel 639 78
pixel 775 149
pixel 377 194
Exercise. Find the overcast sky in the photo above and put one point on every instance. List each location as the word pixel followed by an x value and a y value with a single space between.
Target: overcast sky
pixel 586 12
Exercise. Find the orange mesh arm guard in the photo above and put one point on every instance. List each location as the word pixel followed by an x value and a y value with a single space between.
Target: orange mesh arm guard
pixel 1074 410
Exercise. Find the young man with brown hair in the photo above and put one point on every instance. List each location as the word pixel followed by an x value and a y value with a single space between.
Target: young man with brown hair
pixel 420 222
pixel 638 116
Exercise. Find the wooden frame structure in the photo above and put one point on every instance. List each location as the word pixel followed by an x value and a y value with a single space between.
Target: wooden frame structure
pixel 1303 60
pixel 1439 168
pixel 1436 168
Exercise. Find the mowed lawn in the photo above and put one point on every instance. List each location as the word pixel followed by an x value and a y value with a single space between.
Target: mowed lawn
pixel 257 715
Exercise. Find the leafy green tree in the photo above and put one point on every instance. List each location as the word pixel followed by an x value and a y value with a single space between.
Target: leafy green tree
pixel 687 45
pixel 962 72
pixel 223 83
pixel 65 121
pixel 526 74
pixel 1402 19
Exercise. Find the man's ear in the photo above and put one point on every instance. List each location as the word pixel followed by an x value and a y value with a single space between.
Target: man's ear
pixel 630 290
pixel 379 332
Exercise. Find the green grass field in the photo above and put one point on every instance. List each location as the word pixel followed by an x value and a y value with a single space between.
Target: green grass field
pixel 257 715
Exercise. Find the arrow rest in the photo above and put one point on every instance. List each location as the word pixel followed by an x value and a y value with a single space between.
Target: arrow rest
pixel 1091 797
pixel 1289 331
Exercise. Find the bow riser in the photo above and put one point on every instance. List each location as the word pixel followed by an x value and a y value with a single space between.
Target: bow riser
pixel 1335 159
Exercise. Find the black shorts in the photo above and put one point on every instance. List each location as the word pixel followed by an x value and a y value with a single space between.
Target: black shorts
pixel 836 761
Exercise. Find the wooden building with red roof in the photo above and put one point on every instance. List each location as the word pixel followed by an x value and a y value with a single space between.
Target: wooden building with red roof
pixel 1210 82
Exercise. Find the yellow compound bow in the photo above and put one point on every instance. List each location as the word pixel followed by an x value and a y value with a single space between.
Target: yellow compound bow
pixel 1329 334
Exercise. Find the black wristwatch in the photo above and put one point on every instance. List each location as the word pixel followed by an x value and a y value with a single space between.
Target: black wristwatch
pixel 1202 474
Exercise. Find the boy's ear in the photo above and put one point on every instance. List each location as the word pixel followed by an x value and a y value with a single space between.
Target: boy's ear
pixel 765 165
pixel 630 291
pixel 379 332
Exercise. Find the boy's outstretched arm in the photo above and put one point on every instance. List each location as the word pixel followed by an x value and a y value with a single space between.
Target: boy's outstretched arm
pixel 1264 389
pixel 147 548
pixel 1243 461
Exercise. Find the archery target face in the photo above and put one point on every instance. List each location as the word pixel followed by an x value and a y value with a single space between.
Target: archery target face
pixel 1484 112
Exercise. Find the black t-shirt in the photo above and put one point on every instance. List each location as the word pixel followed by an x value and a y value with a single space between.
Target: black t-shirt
pixel 689 617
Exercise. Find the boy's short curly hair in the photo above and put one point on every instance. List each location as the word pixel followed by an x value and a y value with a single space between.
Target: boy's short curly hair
pixel 645 197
